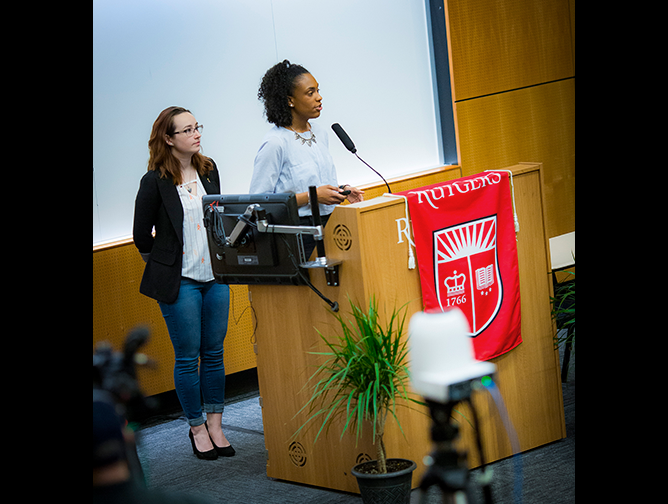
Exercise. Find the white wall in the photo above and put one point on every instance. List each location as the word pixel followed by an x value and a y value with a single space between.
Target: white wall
pixel 370 57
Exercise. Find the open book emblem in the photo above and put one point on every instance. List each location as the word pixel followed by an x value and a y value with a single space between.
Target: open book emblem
pixel 466 270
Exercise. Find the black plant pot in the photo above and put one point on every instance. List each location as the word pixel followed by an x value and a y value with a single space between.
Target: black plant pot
pixel 390 488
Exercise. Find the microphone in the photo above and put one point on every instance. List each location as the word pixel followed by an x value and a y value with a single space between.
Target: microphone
pixel 343 136
pixel 350 145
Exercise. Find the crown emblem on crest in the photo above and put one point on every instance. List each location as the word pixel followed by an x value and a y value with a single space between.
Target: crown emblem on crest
pixel 455 284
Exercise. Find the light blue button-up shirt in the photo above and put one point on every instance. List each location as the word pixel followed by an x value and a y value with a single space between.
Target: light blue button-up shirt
pixel 285 164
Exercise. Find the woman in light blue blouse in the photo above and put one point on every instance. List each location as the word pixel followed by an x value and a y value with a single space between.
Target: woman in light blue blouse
pixel 295 153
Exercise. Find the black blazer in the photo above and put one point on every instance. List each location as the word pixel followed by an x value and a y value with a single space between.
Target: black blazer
pixel 158 205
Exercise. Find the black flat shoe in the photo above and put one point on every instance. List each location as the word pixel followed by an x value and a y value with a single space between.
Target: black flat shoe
pixel 228 451
pixel 207 455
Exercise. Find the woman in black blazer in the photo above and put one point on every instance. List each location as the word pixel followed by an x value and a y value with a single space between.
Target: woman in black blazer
pixel 178 271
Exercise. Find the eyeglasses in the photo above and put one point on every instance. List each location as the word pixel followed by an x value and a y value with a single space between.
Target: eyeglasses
pixel 188 132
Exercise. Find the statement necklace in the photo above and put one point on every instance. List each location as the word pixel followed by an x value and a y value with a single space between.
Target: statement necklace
pixel 307 141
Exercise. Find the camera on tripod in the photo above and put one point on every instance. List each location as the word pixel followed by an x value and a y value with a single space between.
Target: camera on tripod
pixel 117 398
pixel 115 374
pixel 445 372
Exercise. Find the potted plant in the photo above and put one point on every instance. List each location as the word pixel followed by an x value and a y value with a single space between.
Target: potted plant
pixel 563 312
pixel 363 375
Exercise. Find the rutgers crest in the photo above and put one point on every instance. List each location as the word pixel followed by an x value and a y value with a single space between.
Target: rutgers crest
pixel 466 269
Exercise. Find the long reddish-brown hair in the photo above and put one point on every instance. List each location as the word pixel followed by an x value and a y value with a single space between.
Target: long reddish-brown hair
pixel 161 158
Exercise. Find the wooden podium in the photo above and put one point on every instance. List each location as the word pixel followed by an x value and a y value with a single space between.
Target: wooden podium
pixel 366 238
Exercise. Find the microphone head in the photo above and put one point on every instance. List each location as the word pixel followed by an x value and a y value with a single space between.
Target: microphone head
pixel 343 136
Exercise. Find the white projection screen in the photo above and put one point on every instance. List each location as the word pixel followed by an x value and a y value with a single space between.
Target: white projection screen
pixel 372 60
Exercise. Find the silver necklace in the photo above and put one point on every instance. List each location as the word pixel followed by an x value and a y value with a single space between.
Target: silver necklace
pixel 306 141
pixel 186 185
pixel 189 186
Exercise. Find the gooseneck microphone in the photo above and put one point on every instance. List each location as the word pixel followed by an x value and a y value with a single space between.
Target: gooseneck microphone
pixel 343 136
pixel 350 145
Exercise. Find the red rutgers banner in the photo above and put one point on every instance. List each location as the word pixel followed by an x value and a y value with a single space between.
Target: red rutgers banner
pixel 467 256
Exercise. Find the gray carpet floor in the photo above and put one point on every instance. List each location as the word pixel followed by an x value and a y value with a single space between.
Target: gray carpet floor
pixel 548 472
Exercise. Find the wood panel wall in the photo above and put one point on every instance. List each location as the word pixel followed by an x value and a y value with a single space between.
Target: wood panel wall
pixel 512 67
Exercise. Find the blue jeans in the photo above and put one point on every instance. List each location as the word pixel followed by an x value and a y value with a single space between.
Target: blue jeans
pixel 197 325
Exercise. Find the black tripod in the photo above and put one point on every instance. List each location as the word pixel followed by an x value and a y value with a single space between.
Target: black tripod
pixel 447 467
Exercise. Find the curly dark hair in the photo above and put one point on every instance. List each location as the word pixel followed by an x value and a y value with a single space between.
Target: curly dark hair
pixel 277 84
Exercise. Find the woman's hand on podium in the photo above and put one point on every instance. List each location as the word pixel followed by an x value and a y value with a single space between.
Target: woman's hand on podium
pixel 356 195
